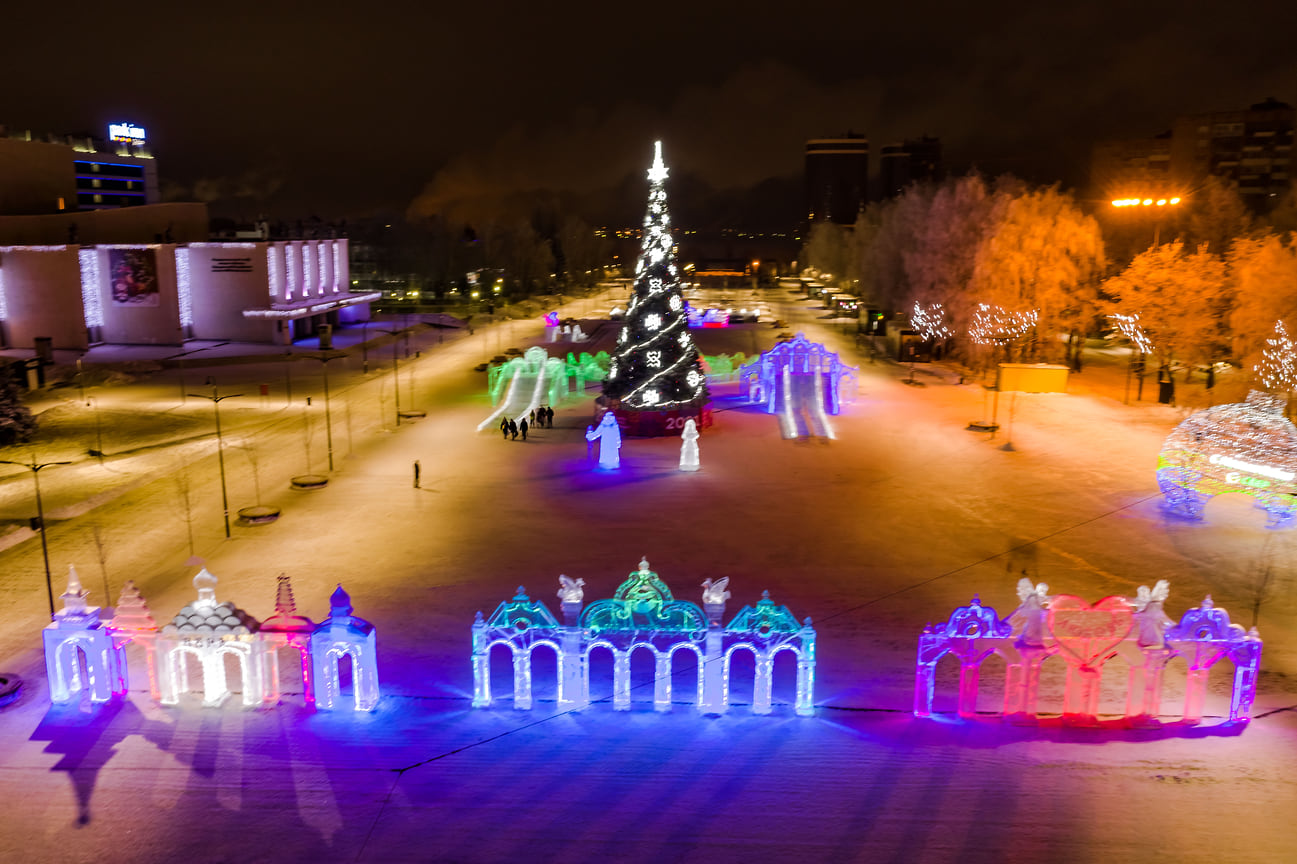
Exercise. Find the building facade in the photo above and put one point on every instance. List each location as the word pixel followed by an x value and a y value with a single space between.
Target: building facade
pixel 42 174
pixel 1251 148
pixel 164 294
pixel 914 160
pixel 837 178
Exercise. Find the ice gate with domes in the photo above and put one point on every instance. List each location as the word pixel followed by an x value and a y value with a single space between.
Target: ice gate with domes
pixel 643 614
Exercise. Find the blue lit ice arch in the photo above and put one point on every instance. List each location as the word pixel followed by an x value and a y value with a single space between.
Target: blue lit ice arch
pixel 1247 447
pixel 643 614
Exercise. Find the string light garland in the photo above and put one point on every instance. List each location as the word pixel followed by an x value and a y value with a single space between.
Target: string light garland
pixel 930 321
pixel 995 325
pixel 1129 327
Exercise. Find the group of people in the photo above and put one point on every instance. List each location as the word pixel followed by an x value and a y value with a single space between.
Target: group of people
pixel 541 418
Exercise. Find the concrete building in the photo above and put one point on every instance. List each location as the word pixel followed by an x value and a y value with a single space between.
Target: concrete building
pixel 165 294
pixel 1250 147
pixel 42 174
pixel 837 178
pixel 911 161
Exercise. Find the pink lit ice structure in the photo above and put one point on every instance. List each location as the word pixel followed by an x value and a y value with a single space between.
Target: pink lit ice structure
pixel 79 651
pixel 1085 636
pixel 644 614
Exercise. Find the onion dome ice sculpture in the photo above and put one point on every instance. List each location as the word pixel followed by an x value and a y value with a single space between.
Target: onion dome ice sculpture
pixel 1247 447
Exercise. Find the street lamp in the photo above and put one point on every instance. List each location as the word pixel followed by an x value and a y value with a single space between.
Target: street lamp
pixel 324 357
pixel 1162 202
pixel 396 380
pixel 220 448
pixel 35 467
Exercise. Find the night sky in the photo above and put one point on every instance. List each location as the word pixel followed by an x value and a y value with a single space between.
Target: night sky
pixel 349 109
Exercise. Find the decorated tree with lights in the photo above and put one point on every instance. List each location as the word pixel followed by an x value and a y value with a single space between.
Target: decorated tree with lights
pixel 656 368
pixel 1278 367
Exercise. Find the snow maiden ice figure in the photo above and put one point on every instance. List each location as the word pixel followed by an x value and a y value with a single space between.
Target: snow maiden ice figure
pixel 608 434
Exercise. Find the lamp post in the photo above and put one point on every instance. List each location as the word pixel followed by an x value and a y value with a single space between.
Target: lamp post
pixel 1161 202
pixel 35 467
pixel 364 346
pixel 396 379
pixel 324 357
pixel 220 448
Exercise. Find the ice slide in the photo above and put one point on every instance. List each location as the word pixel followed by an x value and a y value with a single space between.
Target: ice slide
pixel 525 393
pixel 799 405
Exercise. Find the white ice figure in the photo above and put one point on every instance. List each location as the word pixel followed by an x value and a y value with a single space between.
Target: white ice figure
pixel 608 434
pixel 1028 619
pixel 689 446
pixel 714 593
pixel 571 590
pixel 1150 618
pixel 77 630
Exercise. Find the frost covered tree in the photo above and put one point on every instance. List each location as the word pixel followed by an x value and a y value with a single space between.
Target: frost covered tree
pixel 1182 299
pixel 656 365
pixel 1043 253
pixel 16 421
pixel 1277 368
pixel 1264 272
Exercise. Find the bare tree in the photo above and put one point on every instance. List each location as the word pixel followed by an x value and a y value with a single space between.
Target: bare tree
pixel 184 489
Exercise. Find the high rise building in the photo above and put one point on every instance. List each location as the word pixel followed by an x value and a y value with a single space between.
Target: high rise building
pixel 1249 147
pixel 911 161
pixel 837 178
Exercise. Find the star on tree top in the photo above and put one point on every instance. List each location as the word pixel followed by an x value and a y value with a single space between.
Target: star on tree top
pixel 658 172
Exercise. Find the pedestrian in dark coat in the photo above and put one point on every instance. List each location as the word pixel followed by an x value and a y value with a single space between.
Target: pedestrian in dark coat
pixel 522 427
pixel 513 429
pixel 549 416
pixel 504 427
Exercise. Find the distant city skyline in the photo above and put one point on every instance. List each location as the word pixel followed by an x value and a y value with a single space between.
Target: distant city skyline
pixel 344 114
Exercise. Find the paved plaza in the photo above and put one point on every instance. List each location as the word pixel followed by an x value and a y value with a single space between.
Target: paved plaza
pixel 902 517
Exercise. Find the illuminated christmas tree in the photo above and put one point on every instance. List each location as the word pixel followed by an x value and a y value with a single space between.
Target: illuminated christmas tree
pixel 1278 367
pixel 656 369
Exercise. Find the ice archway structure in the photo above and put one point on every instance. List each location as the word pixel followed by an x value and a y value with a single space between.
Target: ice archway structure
pixel 524 384
pixel 801 382
pixel 643 613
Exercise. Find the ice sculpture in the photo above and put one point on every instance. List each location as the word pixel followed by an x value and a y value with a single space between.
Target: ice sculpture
pixel 1085 636
pixel 571 591
pixel 524 384
pixel 133 624
pixel 689 446
pixel 608 434
pixel 1247 447
pixel 287 629
pixel 344 635
pixel 642 613
pixel 797 378
pixel 76 633
pixel 209 632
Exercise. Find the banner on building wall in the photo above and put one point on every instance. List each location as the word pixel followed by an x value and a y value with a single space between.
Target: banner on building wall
pixel 134 277
pixel 241 264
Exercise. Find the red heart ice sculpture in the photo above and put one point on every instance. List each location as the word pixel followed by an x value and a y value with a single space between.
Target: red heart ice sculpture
pixel 1088 633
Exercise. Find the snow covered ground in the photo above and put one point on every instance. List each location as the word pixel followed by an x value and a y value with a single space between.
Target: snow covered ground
pixel 903 517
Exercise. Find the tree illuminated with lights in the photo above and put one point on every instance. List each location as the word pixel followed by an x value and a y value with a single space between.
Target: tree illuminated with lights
pixel 656 365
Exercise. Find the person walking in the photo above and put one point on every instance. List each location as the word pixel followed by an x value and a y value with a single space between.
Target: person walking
pixel 522 427
pixel 549 416
pixel 504 427
pixel 513 429
pixel 417 469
